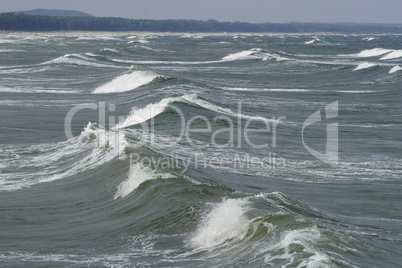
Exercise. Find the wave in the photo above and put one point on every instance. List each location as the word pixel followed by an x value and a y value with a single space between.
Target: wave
pixel 275 237
pixel 136 176
pixel 141 41
pixel 86 59
pixel 24 69
pixel 356 91
pixel 241 55
pixel 127 82
pixel 312 41
pixel 139 115
pixel 373 52
pixel 306 239
pixel 11 50
pixel 267 89
pixel 364 65
pixel 110 50
pixel 42 91
pixel 225 222
pixel 390 53
pixel 395 54
pixel 94 147
pixel 369 38
pixel 97 37
pixel 165 62
pixel 256 54
pixel 395 69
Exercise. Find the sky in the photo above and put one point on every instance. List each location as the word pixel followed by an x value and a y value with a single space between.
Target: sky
pixel 359 11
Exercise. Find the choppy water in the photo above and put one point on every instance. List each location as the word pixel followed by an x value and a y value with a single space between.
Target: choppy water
pixel 200 150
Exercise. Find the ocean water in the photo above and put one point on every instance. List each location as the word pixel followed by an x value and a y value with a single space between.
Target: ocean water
pixel 192 150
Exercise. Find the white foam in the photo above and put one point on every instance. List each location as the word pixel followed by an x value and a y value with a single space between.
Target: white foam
pixel 110 50
pixel 141 41
pixel 268 56
pixel 395 69
pixel 103 138
pixel 31 90
pixel 11 50
pixel 195 100
pixel 368 38
pixel 94 147
pixel 305 239
pixel 311 41
pixel 136 176
pixel 392 55
pixel 364 65
pixel 97 37
pixel 267 89
pixel 225 222
pixel 356 91
pixel 241 55
pixel 373 52
pixel 79 59
pixel 139 115
pixel 127 82
pixel 165 62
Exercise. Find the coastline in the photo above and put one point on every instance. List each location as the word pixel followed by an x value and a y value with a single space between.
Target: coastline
pixel 188 33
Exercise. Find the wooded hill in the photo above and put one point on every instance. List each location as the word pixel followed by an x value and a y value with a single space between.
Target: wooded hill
pixel 24 22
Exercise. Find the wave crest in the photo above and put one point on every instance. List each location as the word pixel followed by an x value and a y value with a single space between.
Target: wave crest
pixel 127 82
pixel 226 221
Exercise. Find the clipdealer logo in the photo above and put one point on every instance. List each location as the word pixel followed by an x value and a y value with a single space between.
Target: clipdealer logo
pixel 189 134
pixel 331 154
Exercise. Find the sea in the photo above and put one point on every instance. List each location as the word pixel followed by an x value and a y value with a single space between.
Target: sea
pixel 200 150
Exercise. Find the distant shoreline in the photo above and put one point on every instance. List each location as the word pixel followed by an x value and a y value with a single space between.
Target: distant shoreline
pixel 74 32
pixel 17 22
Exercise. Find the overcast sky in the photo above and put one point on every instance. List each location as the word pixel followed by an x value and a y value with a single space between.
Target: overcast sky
pixel 385 11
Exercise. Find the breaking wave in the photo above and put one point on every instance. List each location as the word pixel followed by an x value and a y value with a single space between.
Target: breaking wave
pixel 139 115
pixel 364 65
pixel 395 69
pixel 94 147
pixel 390 53
pixel 372 52
pixel 127 82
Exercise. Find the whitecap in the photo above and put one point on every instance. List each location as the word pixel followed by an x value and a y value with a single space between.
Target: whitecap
pixel 94 147
pixel 127 82
pixel 33 90
pixel 364 65
pixel 395 69
pixel 372 52
pixel 369 38
pixel 267 89
pixel 392 55
pixel 85 59
pixel 225 222
pixel 136 176
pixel 241 55
pixel 311 41
pixel 139 115
pixel 110 50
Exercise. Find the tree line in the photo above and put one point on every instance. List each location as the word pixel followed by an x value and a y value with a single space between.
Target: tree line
pixel 23 22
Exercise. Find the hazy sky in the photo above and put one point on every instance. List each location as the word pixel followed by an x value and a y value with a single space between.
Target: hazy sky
pixel 385 11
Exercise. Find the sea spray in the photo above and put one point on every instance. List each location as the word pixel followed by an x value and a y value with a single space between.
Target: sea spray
pixel 225 222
